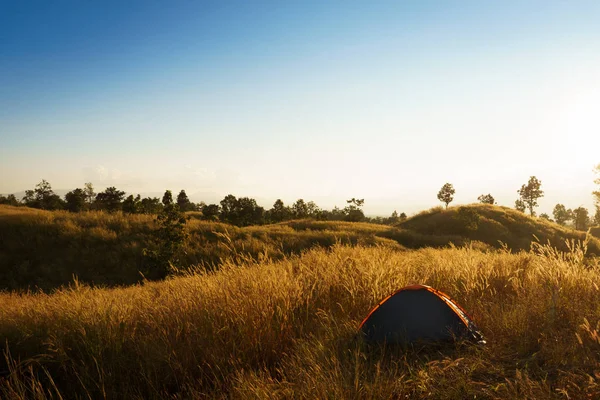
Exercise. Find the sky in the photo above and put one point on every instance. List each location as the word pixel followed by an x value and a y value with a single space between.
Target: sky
pixel 324 101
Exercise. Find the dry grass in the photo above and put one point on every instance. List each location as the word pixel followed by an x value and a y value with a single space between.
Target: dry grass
pixel 42 249
pixel 287 329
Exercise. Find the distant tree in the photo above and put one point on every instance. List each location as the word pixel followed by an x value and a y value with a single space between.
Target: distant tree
pixel 546 217
pixel 353 211
pixel 210 212
pixel 11 200
pixel 334 215
pixel 29 199
pixel 313 209
pixel 169 238
pixel 403 217
pixel 561 214
pixel 167 198
pixel 75 200
pixel 486 199
pixel 241 212
pixel 199 206
pixel 132 205
pixel 520 205
pixel 279 212
pixel 90 195
pixel 229 209
pixel 581 218
pixel 300 209
pixel 597 181
pixel 249 212
pixel 184 202
pixel 150 205
pixel 530 193
pixel 110 199
pixel 394 218
pixel 597 215
pixel 43 197
pixel 446 194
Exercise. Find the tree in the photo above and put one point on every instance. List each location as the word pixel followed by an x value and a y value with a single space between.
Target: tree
pixel 313 209
pixel 546 217
pixel 249 212
pixel 75 200
pixel 132 205
pixel 279 212
pixel 446 194
pixel 150 205
pixel 581 218
pixel 210 212
pixel 353 211
pixel 519 205
pixel 561 214
pixel 43 197
pixel 486 199
pixel 241 212
pixel 597 182
pixel 597 215
pixel 530 193
pixel 167 198
pixel 90 195
pixel 184 202
pixel 169 238
pixel 11 200
pixel 393 218
pixel 229 209
pixel 110 199
pixel 403 217
pixel 300 209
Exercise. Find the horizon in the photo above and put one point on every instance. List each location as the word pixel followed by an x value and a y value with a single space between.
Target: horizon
pixel 323 102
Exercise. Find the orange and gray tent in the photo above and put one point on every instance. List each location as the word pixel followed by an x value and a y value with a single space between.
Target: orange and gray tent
pixel 418 313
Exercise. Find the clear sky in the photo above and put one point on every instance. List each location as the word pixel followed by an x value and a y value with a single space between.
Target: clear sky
pixel 323 100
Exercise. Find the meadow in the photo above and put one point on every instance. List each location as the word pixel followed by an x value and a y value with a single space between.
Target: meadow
pixel 276 315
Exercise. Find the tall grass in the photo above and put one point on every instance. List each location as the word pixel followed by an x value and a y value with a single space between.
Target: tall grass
pixel 43 249
pixel 288 329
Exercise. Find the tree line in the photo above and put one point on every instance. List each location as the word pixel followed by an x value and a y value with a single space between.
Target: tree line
pixel 529 194
pixel 242 211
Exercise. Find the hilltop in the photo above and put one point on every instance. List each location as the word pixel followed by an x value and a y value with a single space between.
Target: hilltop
pixel 496 226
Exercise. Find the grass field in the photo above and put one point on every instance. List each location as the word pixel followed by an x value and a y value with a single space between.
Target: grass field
pixel 43 249
pixel 286 326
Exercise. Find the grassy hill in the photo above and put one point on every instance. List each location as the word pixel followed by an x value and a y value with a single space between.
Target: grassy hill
pixel 287 329
pixel 495 226
pixel 43 249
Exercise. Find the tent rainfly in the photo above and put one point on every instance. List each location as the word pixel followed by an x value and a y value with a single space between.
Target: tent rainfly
pixel 418 313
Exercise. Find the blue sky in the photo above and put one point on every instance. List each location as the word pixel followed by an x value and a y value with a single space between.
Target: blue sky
pixel 319 100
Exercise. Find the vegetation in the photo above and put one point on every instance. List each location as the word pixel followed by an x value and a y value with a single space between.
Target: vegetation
pixel 520 205
pixel 266 303
pixel 43 249
pixel 446 194
pixel 561 214
pixel 486 199
pixel 287 329
pixel 530 194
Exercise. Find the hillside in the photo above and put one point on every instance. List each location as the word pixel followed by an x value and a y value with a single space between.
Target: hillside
pixel 495 226
pixel 46 249
pixel 287 329
pixel 43 249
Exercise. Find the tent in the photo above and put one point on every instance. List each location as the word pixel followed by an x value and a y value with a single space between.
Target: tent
pixel 418 313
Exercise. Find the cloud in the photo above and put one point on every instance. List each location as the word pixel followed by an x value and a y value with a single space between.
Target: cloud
pixel 101 176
